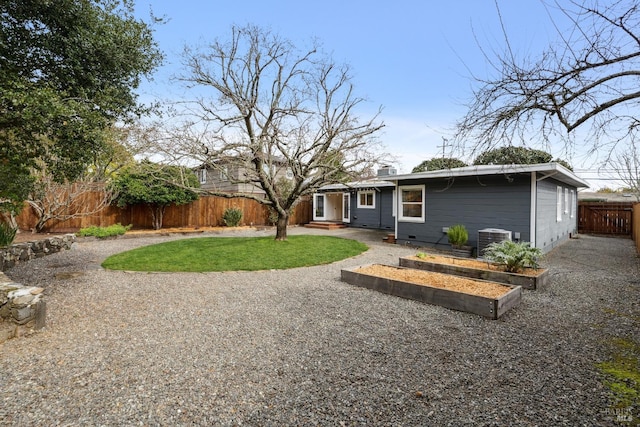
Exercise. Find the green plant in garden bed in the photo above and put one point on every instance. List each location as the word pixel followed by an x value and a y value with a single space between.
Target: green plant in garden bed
pixel 512 256
pixel 235 253
pixel 458 235
pixel 7 234
pixel 102 232
pixel 232 217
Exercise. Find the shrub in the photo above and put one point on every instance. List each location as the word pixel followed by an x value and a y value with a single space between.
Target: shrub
pixel 232 217
pixel 457 235
pixel 102 232
pixel 7 234
pixel 512 256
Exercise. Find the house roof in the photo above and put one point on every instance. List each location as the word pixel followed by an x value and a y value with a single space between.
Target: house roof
pixel 607 197
pixel 545 170
pixel 367 183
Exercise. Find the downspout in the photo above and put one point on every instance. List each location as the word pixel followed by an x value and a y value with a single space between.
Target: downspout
pixel 532 216
pixel 395 204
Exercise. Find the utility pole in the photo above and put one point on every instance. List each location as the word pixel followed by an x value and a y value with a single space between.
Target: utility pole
pixel 444 146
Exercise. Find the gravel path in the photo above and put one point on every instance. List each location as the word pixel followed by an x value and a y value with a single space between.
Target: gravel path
pixel 299 347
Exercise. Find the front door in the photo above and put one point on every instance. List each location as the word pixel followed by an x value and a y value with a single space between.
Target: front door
pixel 346 207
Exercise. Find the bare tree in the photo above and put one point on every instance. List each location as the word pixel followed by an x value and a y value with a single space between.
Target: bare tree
pixel 588 80
pixel 54 200
pixel 626 168
pixel 264 106
pixel 50 200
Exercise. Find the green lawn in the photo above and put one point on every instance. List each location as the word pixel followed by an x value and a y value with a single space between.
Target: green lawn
pixel 235 253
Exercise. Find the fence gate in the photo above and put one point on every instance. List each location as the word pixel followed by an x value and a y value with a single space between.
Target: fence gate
pixel 605 218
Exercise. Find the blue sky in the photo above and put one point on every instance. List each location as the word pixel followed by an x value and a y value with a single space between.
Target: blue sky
pixel 413 58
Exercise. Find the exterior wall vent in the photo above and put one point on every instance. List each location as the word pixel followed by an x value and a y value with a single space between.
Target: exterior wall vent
pixel 491 235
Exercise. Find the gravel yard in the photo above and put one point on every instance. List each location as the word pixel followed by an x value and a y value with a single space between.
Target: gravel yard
pixel 299 347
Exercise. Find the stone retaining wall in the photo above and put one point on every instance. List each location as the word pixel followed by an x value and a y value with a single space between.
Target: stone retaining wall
pixel 23 252
pixel 22 309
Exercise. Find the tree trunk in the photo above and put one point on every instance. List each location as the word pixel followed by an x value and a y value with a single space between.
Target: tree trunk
pixel 281 226
pixel 157 214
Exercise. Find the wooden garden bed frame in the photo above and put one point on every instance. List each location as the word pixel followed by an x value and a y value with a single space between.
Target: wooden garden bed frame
pixel 492 308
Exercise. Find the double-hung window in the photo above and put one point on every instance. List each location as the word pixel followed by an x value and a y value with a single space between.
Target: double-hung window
pixel 411 203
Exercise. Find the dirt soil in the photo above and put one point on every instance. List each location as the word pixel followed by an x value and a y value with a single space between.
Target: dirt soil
pixel 482 265
pixel 437 280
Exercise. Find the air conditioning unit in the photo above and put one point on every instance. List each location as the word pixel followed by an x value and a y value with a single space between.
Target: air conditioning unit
pixel 491 235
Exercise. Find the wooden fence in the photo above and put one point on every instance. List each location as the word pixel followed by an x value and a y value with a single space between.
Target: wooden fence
pixel 204 212
pixel 605 218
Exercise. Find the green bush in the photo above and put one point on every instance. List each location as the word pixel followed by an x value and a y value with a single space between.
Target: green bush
pixel 512 256
pixel 7 234
pixel 232 217
pixel 102 232
pixel 458 235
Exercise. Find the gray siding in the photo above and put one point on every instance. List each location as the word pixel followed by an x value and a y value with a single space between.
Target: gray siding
pixel 388 221
pixel 378 218
pixel 477 203
pixel 550 232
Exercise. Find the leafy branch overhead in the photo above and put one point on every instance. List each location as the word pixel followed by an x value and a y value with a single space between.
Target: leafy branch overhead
pixel 68 72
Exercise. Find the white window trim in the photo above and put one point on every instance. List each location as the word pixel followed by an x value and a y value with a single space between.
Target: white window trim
pixel 402 218
pixel 573 204
pixel 224 173
pixel 558 204
pixel 203 176
pixel 566 201
pixel 373 199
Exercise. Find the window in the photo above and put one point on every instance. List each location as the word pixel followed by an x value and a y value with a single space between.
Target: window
pixel 566 200
pixel 202 176
pixel 224 173
pixel 366 199
pixel 411 203
pixel 573 204
pixel 558 204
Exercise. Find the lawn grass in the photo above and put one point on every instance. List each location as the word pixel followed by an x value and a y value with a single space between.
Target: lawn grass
pixel 235 253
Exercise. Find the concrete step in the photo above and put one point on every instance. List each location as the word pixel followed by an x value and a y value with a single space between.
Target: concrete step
pixel 325 225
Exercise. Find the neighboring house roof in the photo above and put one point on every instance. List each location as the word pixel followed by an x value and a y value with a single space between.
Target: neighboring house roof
pixel 607 197
pixel 547 170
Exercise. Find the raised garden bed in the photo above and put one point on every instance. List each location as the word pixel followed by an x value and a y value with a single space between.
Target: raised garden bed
pixel 530 279
pixel 487 299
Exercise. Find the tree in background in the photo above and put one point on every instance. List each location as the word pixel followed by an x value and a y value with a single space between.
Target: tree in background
pixel 516 155
pixel 438 163
pixel 52 199
pixel 587 80
pixel 271 109
pixel 68 70
pixel 626 166
pixel 156 186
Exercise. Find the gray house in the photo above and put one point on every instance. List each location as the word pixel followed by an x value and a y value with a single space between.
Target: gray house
pixel 365 204
pixel 532 203
pixel 362 204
